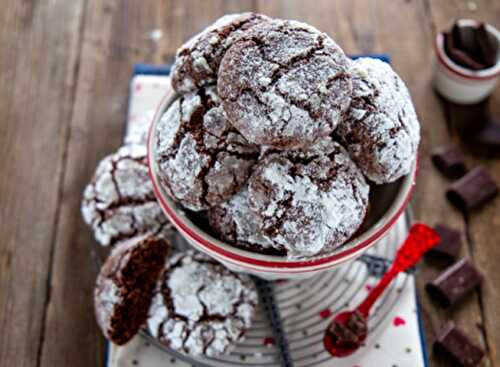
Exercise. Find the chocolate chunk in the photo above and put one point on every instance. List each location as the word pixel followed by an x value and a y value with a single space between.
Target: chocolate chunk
pixel 350 332
pixel 449 245
pixel 477 128
pixel 458 55
pixel 468 120
pixel 455 37
pixel 448 43
pixel 471 47
pixel 454 283
pixel 449 160
pixel 488 138
pixel 487 46
pixel 453 343
pixel 342 334
pixel 357 323
pixel 463 59
pixel 473 190
pixel 464 39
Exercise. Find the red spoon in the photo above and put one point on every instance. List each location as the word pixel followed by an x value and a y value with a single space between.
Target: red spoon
pixel 348 330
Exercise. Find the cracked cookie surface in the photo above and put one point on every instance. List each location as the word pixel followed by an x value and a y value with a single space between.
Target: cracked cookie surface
pixel 234 222
pixel 310 200
pixel 197 61
pixel 202 159
pixel 200 307
pixel 119 202
pixel 284 84
pixel 125 285
pixel 381 130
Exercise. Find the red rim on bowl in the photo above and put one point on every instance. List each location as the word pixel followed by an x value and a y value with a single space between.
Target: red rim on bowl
pixel 457 70
pixel 268 263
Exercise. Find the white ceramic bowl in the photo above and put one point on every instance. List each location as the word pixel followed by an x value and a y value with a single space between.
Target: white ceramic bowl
pixel 458 84
pixel 387 203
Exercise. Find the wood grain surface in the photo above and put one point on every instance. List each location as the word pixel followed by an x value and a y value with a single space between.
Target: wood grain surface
pixel 64 73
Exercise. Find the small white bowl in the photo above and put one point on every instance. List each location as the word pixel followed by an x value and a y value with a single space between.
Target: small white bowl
pixel 387 203
pixel 458 84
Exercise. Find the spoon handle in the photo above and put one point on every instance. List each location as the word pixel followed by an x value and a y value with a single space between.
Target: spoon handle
pixel 420 239
pixel 375 293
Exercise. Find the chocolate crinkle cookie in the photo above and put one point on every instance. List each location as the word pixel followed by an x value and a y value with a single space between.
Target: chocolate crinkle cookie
pixel 200 307
pixel 119 202
pixel 285 84
pixel 125 286
pixel 310 200
pixel 197 61
pixel 381 131
pixel 234 222
pixel 202 159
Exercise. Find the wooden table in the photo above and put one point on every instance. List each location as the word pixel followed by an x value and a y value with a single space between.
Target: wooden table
pixel 64 72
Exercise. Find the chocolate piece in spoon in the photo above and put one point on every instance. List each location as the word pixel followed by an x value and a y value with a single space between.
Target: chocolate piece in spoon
pixel 454 283
pixel 449 160
pixel 347 333
pixel 348 329
pixel 457 346
pixel 473 190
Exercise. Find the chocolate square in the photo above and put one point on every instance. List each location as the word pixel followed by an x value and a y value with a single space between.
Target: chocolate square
pixel 453 343
pixel 468 119
pixel 464 39
pixel 357 323
pixel 473 190
pixel 342 333
pixel 472 47
pixel 487 46
pixel 479 130
pixel 487 139
pixel 458 55
pixel 453 284
pixel 449 160
pixel 449 246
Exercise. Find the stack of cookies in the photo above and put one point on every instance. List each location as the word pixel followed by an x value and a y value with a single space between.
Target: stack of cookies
pixel 186 300
pixel 277 137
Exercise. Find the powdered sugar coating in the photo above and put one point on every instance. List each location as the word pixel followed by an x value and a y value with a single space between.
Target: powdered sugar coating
pixel 197 61
pixel 284 84
pixel 200 307
pixel 107 296
pixel 235 223
pixel 381 130
pixel 309 200
pixel 125 285
pixel 202 159
pixel 109 293
pixel 119 202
